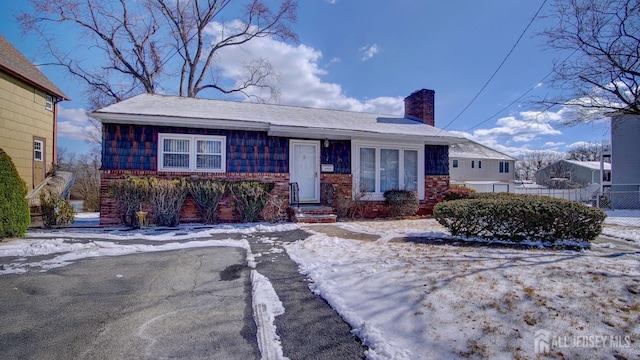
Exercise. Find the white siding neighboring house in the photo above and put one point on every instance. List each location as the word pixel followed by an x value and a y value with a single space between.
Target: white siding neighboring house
pixel 625 161
pixel 481 168
pixel 577 173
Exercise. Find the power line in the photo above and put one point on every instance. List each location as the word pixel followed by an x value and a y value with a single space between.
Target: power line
pixel 524 94
pixel 499 66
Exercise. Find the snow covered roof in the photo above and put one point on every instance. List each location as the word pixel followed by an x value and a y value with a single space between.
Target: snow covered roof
pixel 278 120
pixel 593 165
pixel 473 150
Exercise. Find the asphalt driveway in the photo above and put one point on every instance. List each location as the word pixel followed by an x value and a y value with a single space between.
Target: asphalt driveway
pixel 187 304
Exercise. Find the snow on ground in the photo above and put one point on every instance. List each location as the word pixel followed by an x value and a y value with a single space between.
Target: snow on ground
pixel 409 300
pixel 61 248
pixel 624 224
pixel 424 298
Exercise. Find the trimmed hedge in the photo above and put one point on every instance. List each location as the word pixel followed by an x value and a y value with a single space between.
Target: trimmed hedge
pixel 456 192
pixel 14 208
pixel 514 217
pixel 401 203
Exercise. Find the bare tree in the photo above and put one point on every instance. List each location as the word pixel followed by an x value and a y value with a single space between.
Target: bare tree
pixel 143 44
pixel 86 169
pixel 602 72
pixel 529 163
pixel 585 152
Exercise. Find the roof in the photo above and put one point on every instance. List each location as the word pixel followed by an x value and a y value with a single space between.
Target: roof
pixel 593 165
pixel 278 120
pixel 13 62
pixel 473 150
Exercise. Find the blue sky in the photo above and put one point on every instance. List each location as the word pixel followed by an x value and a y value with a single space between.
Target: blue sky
pixel 368 55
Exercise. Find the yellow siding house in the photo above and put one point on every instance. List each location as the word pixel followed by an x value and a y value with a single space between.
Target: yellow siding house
pixel 28 115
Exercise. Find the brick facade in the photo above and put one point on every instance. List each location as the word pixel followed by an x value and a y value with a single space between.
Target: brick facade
pixel 189 213
pixel 337 190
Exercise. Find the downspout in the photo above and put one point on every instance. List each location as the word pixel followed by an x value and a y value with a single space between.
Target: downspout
pixel 55 130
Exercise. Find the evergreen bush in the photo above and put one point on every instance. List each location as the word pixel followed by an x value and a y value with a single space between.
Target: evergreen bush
pixel 250 197
pixel 456 192
pixel 129 194
pixel 207 194
pixel 515 217
pixel 166 198
pixel 14 208
pixel 401 203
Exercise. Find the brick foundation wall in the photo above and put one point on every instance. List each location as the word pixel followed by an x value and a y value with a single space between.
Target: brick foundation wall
pixel 189 212
pixel 337 188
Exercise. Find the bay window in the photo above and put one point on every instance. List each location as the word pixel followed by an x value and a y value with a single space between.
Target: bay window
pixel 204 153
pixel 378 168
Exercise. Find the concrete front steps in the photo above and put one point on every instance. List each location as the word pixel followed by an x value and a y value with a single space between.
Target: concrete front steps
pixel 313 214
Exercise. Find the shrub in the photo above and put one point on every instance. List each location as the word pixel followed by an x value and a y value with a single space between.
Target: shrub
pixel 250 197
pixel 166 198
pixel 401 203
pixel 456 192
pixel 130 194
pixel 514 217
pixel 207 195
pixel 275 210
pixel 347 204
pixel 14 208
pixel 55 211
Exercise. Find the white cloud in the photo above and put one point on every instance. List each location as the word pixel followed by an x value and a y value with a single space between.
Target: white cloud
pixel 299 77
pixel 551 144
pixel 515 134
pixel 369 51
pixel 74 124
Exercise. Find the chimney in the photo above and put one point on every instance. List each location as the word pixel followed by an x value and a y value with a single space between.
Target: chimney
pixel 419 106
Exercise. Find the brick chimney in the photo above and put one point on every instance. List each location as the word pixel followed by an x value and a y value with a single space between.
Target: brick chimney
pixel 419 106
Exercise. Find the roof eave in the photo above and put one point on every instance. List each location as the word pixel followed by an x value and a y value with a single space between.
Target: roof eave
pixel 56 92
pixel 117 118
pixel 272 130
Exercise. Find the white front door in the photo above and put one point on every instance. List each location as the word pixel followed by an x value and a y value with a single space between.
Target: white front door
pixel 304 167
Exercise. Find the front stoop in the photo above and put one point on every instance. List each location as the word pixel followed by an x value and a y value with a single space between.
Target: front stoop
pixel 313 214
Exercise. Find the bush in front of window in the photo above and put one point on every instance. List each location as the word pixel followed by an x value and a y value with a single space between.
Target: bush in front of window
pixel 207 194
pixel 514 217
pixel 249 198
pixel 14 208
pixel 166 198
pixel 456 192
pixel 401 203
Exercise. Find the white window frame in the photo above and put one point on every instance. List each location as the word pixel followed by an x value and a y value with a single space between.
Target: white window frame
pixel 454 163
pixel 38 151
pixel 48 102
pixel 377 195
pixel 193 140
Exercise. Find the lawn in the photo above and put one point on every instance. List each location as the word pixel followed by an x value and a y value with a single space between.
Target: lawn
pixel 410 295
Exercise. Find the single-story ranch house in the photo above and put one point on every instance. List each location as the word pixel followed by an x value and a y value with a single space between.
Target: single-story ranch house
pixel 354 153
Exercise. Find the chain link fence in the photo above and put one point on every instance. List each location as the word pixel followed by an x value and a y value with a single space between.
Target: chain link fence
pixel 622 207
